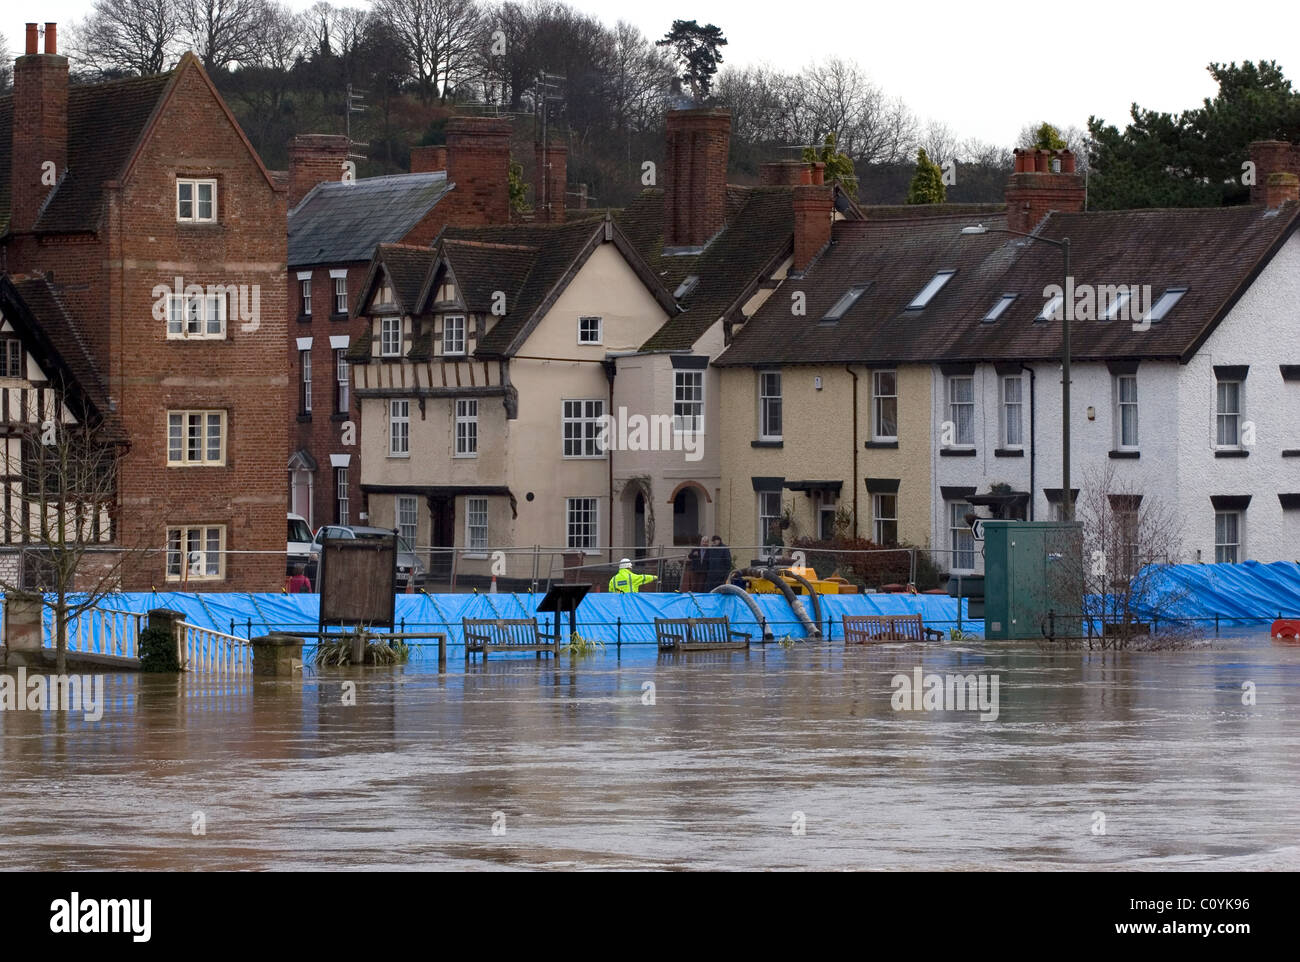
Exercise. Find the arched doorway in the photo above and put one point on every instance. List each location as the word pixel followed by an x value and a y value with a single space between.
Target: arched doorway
pixel 638 525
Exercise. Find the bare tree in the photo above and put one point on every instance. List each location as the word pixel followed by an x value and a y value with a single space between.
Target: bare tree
pixel 62 513
pixel 222 32
pixel 6 65
pixel 127 36
pixel 1128 536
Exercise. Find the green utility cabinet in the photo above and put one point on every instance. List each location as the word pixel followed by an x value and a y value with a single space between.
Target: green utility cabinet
pixel 1032 568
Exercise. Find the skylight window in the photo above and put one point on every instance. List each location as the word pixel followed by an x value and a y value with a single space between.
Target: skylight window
pixel 930 289
pixel 1165 304
pixel 686 286
pixel 1051 309
pixel 844 303
pixel 1116 305
pixel 999 308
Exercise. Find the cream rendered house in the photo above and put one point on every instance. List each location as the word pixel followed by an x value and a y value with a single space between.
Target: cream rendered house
pixel 483 385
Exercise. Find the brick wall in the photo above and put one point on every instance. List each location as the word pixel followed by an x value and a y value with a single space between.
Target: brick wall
pixel 695 175
pixel 478 163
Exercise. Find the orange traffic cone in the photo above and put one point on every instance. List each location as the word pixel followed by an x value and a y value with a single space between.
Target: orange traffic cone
pixel 493 589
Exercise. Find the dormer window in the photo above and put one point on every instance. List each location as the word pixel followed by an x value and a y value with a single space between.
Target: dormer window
pixel 932 288
pixel 11 356
pixel 196 201
pixel 840 307
pixel 453 334
pixel 686 286
pixel 383 299
pixel 390 337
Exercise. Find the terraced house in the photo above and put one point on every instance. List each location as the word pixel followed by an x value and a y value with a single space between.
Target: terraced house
pixel 939 352
pixel 144 258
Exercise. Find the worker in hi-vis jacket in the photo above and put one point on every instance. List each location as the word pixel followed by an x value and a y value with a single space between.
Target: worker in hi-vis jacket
pixel 626 580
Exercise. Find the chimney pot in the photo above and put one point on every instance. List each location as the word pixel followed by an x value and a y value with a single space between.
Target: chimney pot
pixel 31 39
pixel 1041 161
pixel 1067 162
pixel 819 173
pixel 51 38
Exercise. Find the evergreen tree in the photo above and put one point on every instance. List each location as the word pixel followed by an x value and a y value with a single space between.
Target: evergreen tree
pixel 927 183
pixel 839 167
pixel 697 51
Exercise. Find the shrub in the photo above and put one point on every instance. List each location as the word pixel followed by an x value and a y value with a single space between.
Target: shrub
pixel 158 650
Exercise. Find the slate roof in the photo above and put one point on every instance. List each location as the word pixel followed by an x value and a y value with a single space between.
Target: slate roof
pixel 759 230
pixel 1214 253
pixel 105 122
pixel 40 318
pixel 340 223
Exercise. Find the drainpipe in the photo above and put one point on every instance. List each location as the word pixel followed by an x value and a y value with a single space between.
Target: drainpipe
pixel 611 369
pixel 1033 443
pixel 849 368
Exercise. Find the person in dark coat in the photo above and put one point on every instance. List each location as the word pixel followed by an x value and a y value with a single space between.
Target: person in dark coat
pixel 697 567
pixel 718 562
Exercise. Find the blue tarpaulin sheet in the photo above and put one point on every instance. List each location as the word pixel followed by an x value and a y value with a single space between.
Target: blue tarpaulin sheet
pixel 1251 591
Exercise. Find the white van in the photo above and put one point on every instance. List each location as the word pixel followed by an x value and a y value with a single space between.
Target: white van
pixel 299 549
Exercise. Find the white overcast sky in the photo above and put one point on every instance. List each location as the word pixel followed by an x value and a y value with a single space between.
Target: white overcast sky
pixel 985 69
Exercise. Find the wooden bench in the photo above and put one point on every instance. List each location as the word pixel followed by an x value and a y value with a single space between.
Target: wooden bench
pixel 506 634
pixel 866 629
pixel 698 634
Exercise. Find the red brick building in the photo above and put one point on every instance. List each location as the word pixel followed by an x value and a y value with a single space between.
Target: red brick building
pixel 156 235
pixel 335 224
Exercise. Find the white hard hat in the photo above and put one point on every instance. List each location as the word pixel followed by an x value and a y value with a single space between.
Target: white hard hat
pixel 625 563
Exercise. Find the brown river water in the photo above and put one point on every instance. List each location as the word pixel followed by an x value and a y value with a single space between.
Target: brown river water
pixel 784 758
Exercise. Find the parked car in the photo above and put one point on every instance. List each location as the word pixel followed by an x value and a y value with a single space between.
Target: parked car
pixel 299 548
pixel 409 568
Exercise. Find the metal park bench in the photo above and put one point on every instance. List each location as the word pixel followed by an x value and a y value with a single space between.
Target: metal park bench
pixel 866 629
pixel 483 635
pixel 698 634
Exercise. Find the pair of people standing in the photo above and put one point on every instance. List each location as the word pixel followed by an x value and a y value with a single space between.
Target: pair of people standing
pixel 709 564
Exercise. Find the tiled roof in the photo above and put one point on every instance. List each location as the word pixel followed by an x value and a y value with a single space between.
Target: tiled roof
pixel 759 228
pixel 343 222
pixel 407 265
pixel 483 268
pixel 53 339
pixel 1214 253
pixel 105 121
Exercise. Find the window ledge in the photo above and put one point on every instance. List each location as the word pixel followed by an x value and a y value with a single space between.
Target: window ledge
pixel 304 418
pixel 339 317
pixel 1125 455
pixel 956 452
pixel 1232 453
pixel 1008 452
pixel 474 556
pixel 1291 453
pixel 305 318
pixel 882 445
pixel 766 444
pixel 340 416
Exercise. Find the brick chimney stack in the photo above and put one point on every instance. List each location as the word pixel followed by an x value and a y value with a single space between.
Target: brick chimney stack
pixel 695 175
pixel 40 127
pixel 1282 188
pixel 314 159
pixel 428 159
pixel 781 173
pixel 1044 181
pixel 814 205
pixel 1272 157
pixel 478 163
pixel 549 185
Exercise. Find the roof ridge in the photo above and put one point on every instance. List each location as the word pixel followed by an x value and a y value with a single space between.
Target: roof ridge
pixel 492 245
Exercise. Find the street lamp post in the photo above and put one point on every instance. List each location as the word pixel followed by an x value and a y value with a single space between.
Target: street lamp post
pixel 1067 500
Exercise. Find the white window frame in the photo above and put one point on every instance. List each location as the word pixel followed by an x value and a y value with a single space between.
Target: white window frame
pixel 390 346
pixel 304 295
pixel 194 217
pixel 343 504
pixel 1223 418
pixel 342 381
pixel 466 428
pixel 688 411
pixel 406 518
pixel 580 428
pixel 399 427
pixel 12 354
pixel 476 535
pixel 954 404
pixel 1222 546
pixel 1120 404
pixel 591 539
pixel 180 435
pixel 454 335
pixel 766 500
pixel 961 540
pixel 586 336
pixel 304 377
pixel 340 294
pixel 879 515
pixel 1012 412
pixel 932 287
pixel 878 396
pixel 207 322
pixel 179 548
pixel 767 402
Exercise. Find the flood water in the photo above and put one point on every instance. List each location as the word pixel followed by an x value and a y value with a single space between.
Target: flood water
pixel 573 770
